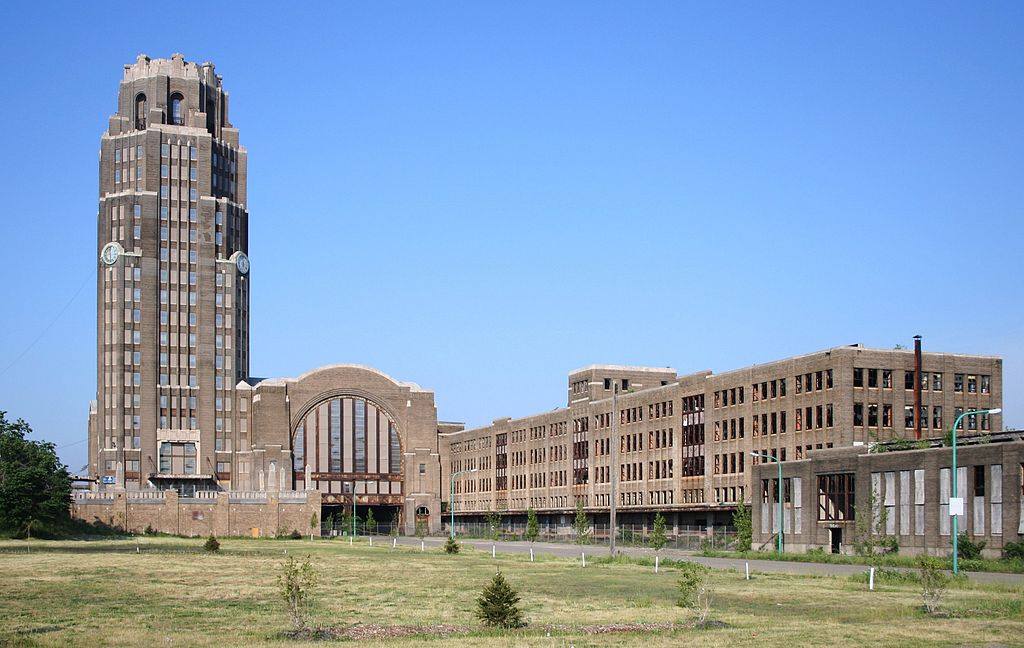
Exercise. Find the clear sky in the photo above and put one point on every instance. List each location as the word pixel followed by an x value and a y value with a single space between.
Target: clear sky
pixel 481 196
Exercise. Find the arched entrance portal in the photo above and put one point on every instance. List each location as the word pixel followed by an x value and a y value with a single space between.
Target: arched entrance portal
pixel 348 446
pixel 422 517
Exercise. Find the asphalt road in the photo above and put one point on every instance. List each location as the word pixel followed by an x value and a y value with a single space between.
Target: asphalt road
pixel 763 566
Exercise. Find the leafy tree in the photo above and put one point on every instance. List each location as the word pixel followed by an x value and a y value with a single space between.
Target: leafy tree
pixel 295 584
pixel 371 522
pixel 394 523
pixel 451 546
pixel 934 582
pixel 211 545
pixel 869 536
pixel 532 526
pixel 35 487
pixel 498 605
pixel 658 537
pixel 421 529
pixel 494 524
pixel 744 527
pixel 695 591
pixel 313 521
pixel 581 525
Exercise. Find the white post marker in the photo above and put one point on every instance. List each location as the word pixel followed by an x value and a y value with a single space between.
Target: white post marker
pixel 371 541
pixel 531 554
pixel 492 551
pixel 746 569
pixel 656 557
pixel 421 545
pixel 871 579
pixel 350 540
pixel 584 554
pixel 394 542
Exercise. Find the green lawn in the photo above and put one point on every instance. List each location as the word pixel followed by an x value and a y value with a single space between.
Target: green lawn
pixel 172 594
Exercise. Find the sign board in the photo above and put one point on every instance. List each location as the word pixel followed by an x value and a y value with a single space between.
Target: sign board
pixel 956 506
pixel 109 479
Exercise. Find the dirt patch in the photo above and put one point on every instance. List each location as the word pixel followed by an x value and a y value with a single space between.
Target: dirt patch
pixel 361 632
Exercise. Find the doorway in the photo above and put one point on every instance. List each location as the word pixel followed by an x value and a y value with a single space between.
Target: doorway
pixel 835 536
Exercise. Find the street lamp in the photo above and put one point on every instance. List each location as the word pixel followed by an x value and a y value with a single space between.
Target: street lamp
pixel 451 500
pixel 960 504
pixel 614 469
pixel 779 463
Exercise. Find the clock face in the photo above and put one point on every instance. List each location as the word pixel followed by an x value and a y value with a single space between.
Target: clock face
pixel 242 263
pixel 111 252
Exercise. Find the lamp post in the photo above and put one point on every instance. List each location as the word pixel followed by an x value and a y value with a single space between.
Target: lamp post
pixel 953 494
pixel 779 463
pixel 614 468
pixel 451 499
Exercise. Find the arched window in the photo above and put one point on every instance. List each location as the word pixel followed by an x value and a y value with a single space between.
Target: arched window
pixel 140 111
pixel 177 109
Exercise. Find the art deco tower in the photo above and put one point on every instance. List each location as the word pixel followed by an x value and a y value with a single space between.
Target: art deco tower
pixel 172 289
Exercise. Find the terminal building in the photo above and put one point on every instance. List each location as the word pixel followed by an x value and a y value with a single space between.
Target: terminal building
pixel 684 444
pixel 178 412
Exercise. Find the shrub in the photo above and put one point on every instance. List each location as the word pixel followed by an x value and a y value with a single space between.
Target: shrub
pixel 211 545
pixel 295 535
pixel 421 529
pixel 581 525
pixel 934 582
pixel 498 604
pixel 371 523
pixel 451 546
pixel 658 537
pixel 150 530
pixel 744 528
pixel 968 549
pixel 695 590
pixel 532 525
pixel 296 582
pixel 1014 550
pixel 494 524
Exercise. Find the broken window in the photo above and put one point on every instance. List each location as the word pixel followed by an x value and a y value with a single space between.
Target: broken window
pixel 986 384
pixel 858 377
pixel 958 383
pixel 886 379
pixel 872 415
pixel 858 414
pixel 908 380
pixel 836 497
pixel 873 378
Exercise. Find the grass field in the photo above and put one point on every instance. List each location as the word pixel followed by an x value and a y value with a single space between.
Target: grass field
pixel 103 593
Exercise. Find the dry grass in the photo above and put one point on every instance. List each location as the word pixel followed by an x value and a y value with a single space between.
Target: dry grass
pixel 174 594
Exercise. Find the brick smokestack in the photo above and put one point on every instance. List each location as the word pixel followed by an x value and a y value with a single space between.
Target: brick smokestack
pixel 917 386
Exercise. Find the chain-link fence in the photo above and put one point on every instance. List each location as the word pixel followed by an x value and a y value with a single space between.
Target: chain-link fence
pixel 689 538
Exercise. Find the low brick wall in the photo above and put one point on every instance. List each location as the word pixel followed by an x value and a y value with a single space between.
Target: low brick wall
pixel 224 513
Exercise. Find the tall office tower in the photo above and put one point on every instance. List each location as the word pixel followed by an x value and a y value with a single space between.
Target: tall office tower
pixel 172 289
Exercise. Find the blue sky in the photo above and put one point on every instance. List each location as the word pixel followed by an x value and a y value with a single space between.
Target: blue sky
pixel 480 197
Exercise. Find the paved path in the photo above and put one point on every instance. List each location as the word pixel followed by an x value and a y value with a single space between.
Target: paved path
pixel 763 566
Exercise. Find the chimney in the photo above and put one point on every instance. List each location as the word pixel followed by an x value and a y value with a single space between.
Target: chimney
pixel 917 386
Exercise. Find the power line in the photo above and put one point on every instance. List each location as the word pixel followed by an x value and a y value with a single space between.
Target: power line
pixel 47 329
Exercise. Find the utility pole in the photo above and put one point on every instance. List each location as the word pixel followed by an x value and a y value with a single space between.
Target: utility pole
pixel 614 467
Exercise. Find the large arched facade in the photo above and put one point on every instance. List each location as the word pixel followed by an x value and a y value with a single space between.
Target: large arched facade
pixel 353 433
pixel 348 441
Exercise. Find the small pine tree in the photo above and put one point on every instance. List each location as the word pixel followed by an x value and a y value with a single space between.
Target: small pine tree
pixel 744 528
pixel 451 546
pixel 371 522
pixel 421 529
pixel 532 526
pixel 212 545
pixel 581 525
pixel 498 605
pixel 394 523
pixel 313 521
pixel 658 537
